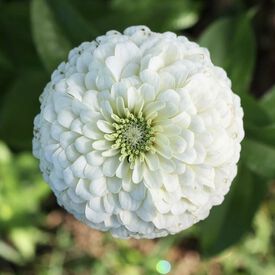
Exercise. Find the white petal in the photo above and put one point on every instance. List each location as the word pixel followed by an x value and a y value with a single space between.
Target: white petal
pixel 153 108
pixel 188 156
pixel 56 131
pixel 168 165
pixel 83 145
pixel 102 145
pixel 91 131
pixel 183 119
pixel 92 172
pixel 152 179
pixel 151 78
pixel 58 183
pixel 152 161
pixel 137 174
pixel 90 99
pixel 162 206
pixel 110 153
pixel 171 182
pixel 169 96
pixel 135 224
pixel 76 126
pixel 67 138
pixel 65 118
pixel 132 95
pixel 147 211
pixel 138 191
pixel 69 177
pixel 110 166
pixel 111 203
pixel 163 149
pixel 98 187
pixel 114 184
pixel 178 144
pixel 73 196
pixel 96 204
pixel 122 169
pixel 82 189
pixel 49 114
pixel 105 126
pixel 112 222
pixel 127 202
pixel 179 208
pixel 94 158
pixel 148 92
pixel 188 177
pixel 78 167
pixel 76 81
pixel 93 216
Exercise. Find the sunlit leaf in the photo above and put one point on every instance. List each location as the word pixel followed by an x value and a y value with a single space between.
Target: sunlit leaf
pixel 25 240
pixel 9 253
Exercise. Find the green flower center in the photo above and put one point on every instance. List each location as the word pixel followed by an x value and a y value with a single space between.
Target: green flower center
pixel 134 136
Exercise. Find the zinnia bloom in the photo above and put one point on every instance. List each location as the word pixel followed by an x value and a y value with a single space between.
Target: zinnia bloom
pixel 139 133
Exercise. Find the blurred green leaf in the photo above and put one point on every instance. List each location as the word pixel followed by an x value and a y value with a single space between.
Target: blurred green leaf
pixel 5 154
pixel 5 63
pixel 21 192
pixel 228 222
pixel 16 40
pixel 52 45
pixel 78 29
pixel 20 105
pixel 231 42
pixel 259 158
pixel 268 102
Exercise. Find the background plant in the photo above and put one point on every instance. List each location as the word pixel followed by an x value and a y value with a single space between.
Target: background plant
pixel 36 236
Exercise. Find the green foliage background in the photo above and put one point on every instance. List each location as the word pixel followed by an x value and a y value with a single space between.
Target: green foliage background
pixel 36 236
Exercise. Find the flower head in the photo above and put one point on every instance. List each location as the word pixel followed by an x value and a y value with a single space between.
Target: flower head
pixel 139 133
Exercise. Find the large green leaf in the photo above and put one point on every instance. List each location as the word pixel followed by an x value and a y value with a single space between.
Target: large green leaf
pixel 5 62
pixel 78 29
pixel 51 43
pixel 259 157
pixel 264 134
pixel 169 15
pixel 228 222
pixel 254 114
pixel 268 102
pixel 231 43
pixel 19 107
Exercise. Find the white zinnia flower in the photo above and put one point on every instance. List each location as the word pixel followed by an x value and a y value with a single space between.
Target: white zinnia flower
pixel 139 133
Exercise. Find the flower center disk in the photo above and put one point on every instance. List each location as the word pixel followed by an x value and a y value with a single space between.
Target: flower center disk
pixel 134 136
